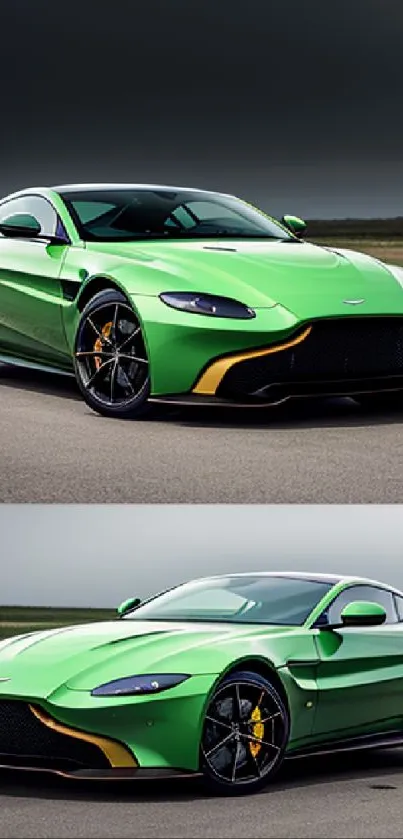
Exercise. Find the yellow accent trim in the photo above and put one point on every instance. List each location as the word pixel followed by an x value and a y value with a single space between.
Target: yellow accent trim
pixel 116 753
pixel 212 377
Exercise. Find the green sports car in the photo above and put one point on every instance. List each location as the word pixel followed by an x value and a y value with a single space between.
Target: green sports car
pixel 224 676
pixel 155 293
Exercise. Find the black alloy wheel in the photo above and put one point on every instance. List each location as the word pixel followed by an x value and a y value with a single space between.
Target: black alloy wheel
pixel 245 733
pixel 110 357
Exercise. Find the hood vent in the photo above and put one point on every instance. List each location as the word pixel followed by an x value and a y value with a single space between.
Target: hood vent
pixel 218 248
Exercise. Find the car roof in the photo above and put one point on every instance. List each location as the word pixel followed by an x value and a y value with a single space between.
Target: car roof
pixel 119 186
pixel 297 575
pixel 49 191
pixel 313 576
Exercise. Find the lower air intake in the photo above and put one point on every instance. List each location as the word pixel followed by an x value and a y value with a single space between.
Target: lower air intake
pixel 27 741
pixel 356 351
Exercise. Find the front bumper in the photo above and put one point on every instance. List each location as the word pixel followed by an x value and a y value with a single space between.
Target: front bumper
pixel 182 345
pixel 326 357
pixel 74 734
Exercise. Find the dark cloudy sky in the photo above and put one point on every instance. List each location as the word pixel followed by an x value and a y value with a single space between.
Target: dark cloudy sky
pixel 294 104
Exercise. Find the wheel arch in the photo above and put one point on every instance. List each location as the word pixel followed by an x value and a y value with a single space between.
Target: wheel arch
pixel 262 667
pixel 95 284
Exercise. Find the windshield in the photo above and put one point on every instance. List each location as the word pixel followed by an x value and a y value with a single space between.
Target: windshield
pixel 108 215
pixel 284 601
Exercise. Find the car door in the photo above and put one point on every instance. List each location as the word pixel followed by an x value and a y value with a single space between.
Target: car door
pixel 30 291
pixel 360 670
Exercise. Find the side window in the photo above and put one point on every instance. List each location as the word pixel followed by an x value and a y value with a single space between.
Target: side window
pixel 36 206
pixel 399 606
pixel 370 593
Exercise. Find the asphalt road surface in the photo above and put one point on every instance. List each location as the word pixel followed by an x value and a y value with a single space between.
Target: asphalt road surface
pixel 354 796
pixel 54 449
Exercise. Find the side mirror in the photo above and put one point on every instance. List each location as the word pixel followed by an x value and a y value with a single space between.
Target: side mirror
pixel 295 224
pixel 363 613
pixel 128 605
pixel 21 225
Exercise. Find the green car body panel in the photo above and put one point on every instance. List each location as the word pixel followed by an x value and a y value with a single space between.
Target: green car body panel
pixel 288 284
pixel 337 683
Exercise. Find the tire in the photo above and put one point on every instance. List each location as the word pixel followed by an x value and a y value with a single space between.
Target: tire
pixel 389 400
pixel 113 383
pixel 246 761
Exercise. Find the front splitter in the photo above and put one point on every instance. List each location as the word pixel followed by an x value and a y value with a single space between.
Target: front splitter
pixel 286 393
pixel 113 774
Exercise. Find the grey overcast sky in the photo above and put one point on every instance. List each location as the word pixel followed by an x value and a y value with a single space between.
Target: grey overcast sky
pixel 294 105
pixel 98 555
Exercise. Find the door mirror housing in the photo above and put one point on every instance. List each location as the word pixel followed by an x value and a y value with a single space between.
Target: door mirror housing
pixel 295 224
pixel 358 613
pixel 20 225
pixel 363 613
pixel 128 605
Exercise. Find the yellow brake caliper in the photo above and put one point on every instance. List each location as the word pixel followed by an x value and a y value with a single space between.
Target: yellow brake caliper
pixel 106 331
pixel 257 731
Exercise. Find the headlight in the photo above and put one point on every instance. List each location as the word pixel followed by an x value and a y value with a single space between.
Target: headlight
pixel 140 684
pixel 207 304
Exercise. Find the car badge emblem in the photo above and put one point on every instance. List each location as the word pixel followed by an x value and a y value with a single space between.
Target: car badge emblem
pixel 5 679
pixel 354 302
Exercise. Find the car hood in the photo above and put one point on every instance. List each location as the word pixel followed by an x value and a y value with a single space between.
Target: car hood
pixel 306 279
pixel 82 657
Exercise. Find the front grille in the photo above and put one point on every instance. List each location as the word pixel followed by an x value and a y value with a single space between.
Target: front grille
pixel 341 350
pixel 27 741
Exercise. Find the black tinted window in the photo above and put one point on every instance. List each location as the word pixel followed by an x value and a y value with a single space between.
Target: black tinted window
pixel 353 593
pixel 36 206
